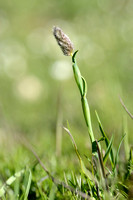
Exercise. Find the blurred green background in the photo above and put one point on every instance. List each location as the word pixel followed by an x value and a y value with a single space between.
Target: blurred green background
pixel 34 73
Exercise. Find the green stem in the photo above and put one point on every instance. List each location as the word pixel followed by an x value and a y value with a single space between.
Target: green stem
pixel 83 90
pixel 86 112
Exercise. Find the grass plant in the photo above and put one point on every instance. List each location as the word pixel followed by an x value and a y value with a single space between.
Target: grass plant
pixel 103 177
pixel 108 182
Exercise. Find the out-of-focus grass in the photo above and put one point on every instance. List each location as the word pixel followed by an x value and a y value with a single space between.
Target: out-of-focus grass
pixel 102 31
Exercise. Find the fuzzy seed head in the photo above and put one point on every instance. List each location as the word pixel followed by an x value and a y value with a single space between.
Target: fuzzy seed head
pixel 63 41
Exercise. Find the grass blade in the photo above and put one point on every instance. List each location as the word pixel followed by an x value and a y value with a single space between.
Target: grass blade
pixel 101 164
pixel 117 153
pixel 52 192
pixel 123 189
pixel 106 138
pixel 84 86
pixel 126 143
pixel 83 168
pixel 108 151
pixel 28 178
pixel 129 167
pixel 126 108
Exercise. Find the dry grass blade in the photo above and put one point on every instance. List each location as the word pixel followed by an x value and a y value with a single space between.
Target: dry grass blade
pixel 100 160
pixel 82 165
pixel 101 164
pixel 75 146
pixel 126 108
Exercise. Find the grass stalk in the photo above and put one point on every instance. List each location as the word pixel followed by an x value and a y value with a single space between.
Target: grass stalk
pixel 81 83
pixel 67 48
pixel 59 126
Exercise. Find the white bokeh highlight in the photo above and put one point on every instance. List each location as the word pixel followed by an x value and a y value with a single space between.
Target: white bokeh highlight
pixel 61 70
pixel 29 88
pixel 13 60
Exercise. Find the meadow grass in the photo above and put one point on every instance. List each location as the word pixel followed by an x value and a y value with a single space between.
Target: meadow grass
pixel 101 175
